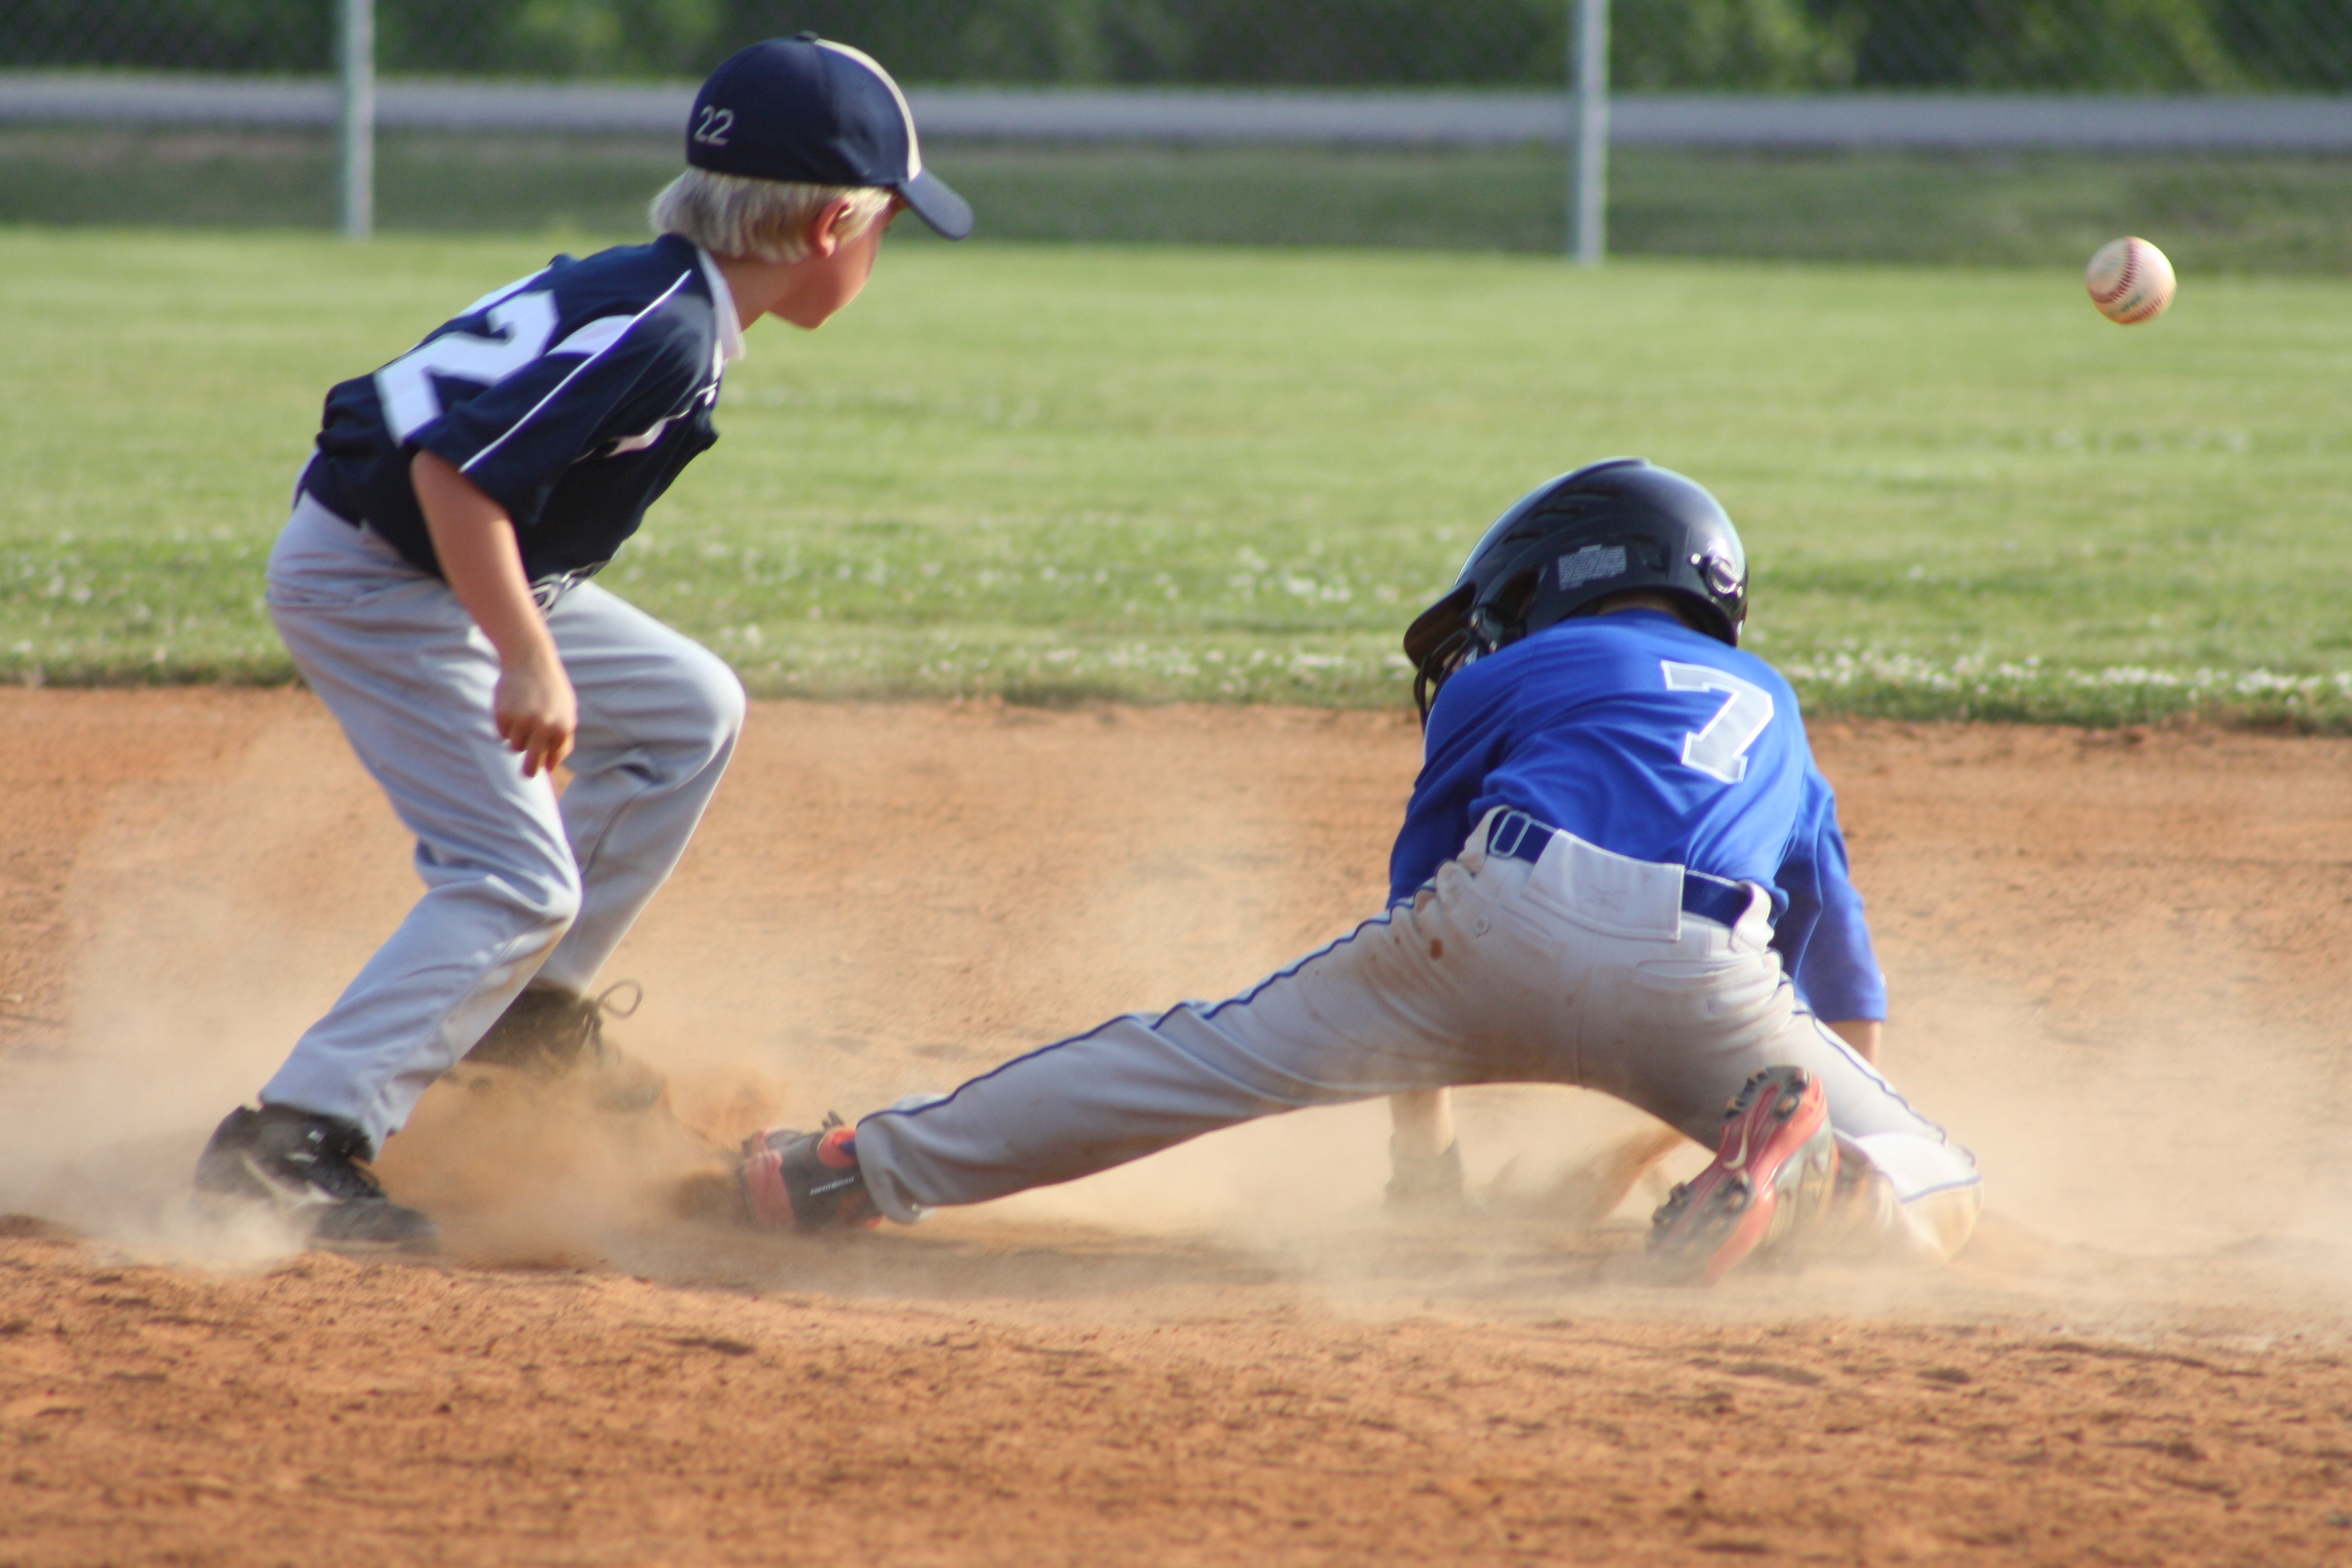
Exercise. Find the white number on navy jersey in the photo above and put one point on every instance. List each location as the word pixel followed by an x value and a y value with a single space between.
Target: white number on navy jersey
pixel 524 323
pixel 1720 749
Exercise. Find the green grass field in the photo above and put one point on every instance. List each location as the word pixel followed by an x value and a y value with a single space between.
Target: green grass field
pixel 1067 472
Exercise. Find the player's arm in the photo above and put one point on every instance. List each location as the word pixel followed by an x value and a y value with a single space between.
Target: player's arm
pixel 535 708
pixel 1824 938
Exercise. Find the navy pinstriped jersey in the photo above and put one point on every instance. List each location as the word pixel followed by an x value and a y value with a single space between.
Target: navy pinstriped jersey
pixel 573 398
pixel 1640 735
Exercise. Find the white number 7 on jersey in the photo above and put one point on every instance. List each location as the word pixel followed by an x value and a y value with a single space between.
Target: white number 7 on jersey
pixel 1720 750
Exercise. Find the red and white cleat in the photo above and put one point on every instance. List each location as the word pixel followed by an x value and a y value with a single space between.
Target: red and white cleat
pixel 804 1180
pixel 1771 1176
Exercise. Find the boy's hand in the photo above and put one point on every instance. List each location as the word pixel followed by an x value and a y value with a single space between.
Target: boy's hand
pixel 534 707
pixel 536 712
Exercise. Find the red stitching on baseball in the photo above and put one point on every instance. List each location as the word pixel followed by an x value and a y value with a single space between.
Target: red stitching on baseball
pixel 2123 285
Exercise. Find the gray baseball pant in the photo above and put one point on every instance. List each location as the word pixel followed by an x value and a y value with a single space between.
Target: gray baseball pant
pixel 517 884
pixel 1579 969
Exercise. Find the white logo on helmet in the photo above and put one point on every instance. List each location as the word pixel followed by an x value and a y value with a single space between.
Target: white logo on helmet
pixel 1722 574
pixel 1590 564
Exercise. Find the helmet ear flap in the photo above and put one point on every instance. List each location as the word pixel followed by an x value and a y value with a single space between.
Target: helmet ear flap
pixel 1435 625
pixel 1504 618
pixel 1443 660
pixel 1436 642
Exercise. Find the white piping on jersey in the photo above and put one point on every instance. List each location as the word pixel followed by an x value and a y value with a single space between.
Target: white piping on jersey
pixel 596 334
pixel 722 299
pixel 595 337
pixel 557 390
pixel 651 433
pixel 913 149
pixel 636 443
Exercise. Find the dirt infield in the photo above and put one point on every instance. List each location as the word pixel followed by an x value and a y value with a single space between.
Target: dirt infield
pixel 2117 969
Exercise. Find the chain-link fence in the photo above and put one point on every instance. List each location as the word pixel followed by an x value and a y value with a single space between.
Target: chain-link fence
pixel 2099 45
pixel 2011 131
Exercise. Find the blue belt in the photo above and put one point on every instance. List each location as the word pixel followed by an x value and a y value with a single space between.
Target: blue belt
pixel 1519 836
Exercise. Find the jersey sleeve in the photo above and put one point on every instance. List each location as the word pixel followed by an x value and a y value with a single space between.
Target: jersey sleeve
pixel 1823 939
pixel 604 383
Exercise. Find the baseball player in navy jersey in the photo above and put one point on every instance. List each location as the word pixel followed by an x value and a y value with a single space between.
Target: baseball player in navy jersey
pixel 1620 868
pixel 433 587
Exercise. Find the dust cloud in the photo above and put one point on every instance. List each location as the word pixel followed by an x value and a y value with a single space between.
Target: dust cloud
pixel 887 900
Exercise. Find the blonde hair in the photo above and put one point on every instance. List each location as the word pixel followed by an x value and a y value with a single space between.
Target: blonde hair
pixel 767 220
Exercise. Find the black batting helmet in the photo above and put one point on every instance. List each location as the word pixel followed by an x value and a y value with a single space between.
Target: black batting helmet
pixel 1608 527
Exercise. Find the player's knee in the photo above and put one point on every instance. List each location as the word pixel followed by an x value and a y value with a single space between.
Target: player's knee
pixel 551 898
pixel 712 698
pixel 726 704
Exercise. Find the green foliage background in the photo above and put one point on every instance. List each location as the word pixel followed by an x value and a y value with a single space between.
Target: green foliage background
pixel 2099 45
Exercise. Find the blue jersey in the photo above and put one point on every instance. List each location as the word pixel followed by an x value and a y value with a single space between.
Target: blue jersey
pixel 572 398
pixel 1641 736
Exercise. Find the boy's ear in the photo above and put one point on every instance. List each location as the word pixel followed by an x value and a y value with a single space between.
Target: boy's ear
pixel 825 235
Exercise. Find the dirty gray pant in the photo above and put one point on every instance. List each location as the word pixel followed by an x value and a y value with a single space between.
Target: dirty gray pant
pixel 1579 969
pixel 517 885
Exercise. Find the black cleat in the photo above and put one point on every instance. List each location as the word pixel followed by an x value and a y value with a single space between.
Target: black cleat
pixel 311 1169
pixel 549 1032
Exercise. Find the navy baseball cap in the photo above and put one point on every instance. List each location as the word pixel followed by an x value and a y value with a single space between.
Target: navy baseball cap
pixel 808 110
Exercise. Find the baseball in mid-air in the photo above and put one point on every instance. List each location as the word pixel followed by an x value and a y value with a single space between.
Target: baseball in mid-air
pixel 2129 280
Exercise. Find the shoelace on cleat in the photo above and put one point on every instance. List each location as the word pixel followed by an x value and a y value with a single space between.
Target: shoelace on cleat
pixel 593 1048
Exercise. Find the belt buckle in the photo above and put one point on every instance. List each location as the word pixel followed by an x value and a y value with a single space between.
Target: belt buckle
pixel 1519 820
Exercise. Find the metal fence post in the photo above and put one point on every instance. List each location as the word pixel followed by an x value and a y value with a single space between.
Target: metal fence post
pixel 1588 180
pixel 356 125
